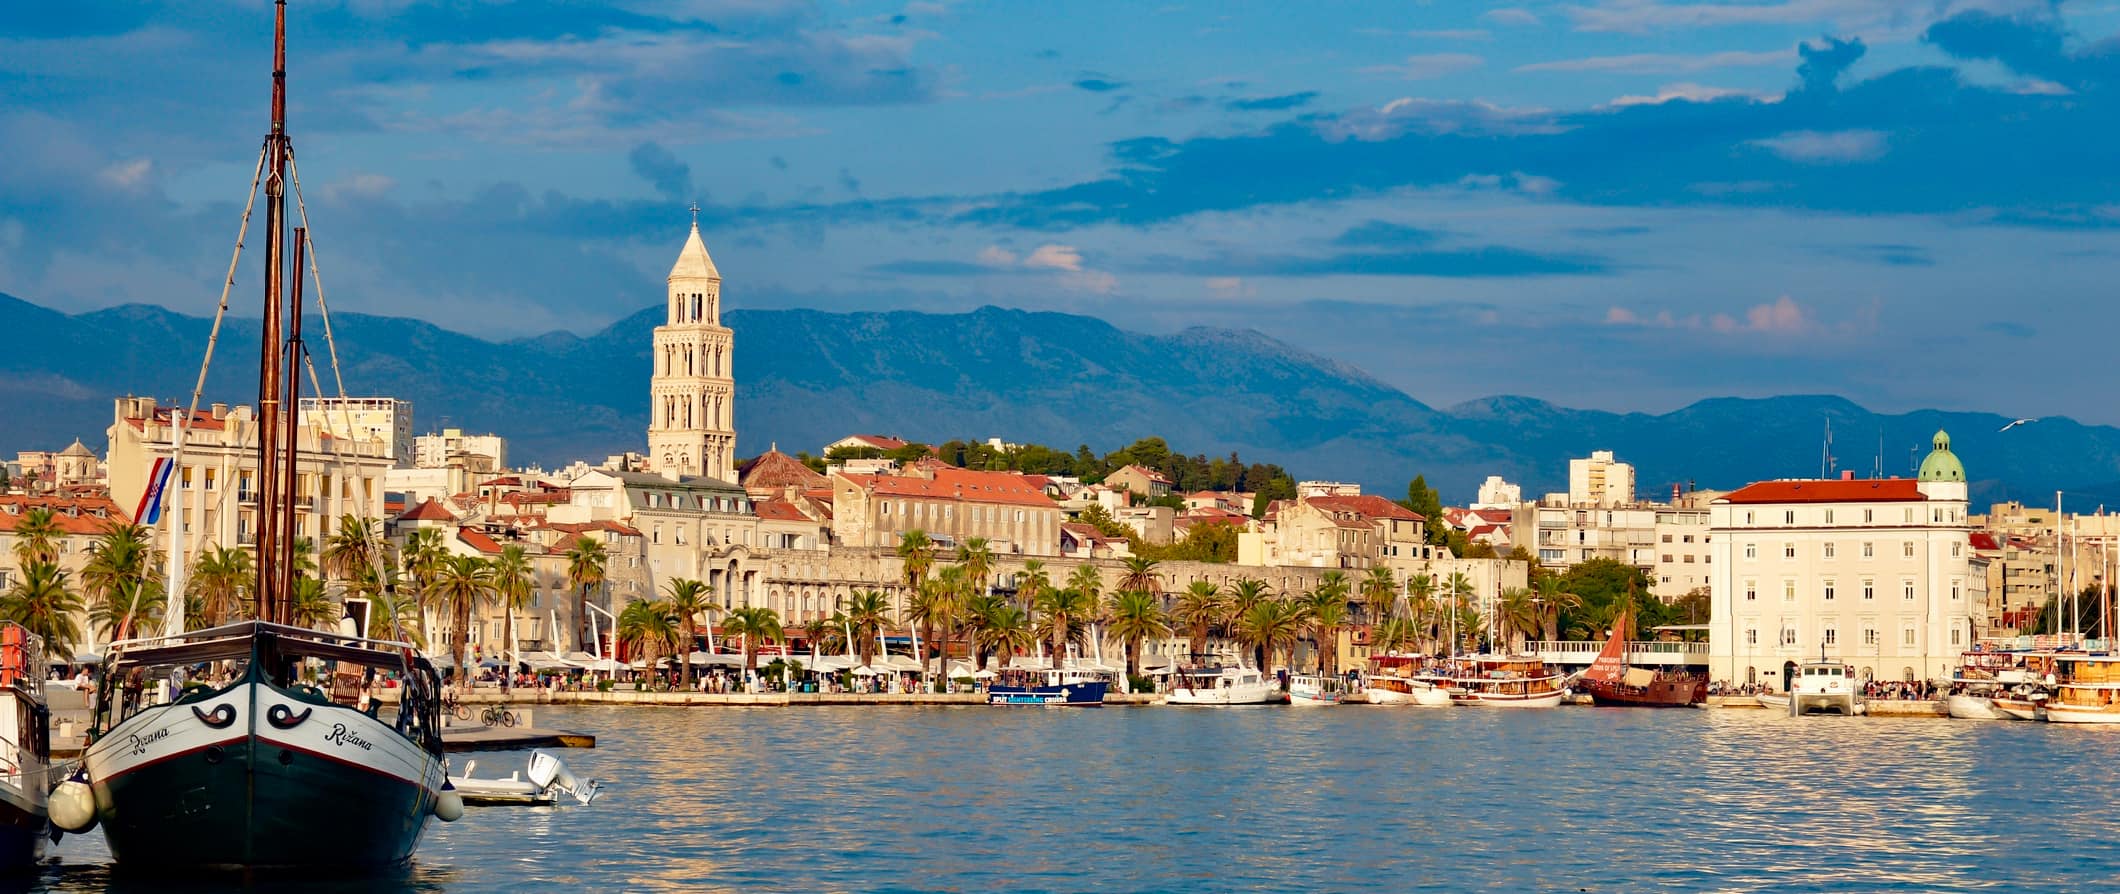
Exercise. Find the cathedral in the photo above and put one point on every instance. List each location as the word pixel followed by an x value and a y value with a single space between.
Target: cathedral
pixel 692 416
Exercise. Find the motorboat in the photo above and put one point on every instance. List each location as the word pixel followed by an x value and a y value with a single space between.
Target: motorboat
pixel 1222 686
pixel 541 784
pixel 1825 685
pixel 1505 681
pixel 25 748
pixel 1316 690
pixel 1403 680
pixel 2086 690
pixel 1971 696
pixel 1064 687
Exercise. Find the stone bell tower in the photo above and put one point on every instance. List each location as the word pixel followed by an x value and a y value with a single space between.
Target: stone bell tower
pixel 692 418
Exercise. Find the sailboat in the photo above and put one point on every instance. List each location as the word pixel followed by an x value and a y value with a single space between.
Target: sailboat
pixel 1612 680
pixel 212 749
pixel 25 748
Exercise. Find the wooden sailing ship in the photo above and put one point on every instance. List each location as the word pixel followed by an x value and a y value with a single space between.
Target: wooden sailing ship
pixel 1613 680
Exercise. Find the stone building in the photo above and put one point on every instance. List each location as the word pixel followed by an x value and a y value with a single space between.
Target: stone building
pixel 692 415
pixel 952 505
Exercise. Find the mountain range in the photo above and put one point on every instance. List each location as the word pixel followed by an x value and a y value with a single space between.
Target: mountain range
pixel 806 377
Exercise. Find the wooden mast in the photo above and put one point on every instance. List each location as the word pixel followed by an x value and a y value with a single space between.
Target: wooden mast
pixel 271 518
pixel 290 494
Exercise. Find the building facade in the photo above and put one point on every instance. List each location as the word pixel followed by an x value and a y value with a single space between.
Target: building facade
pixel 1876 572
pixel 1600 480
pixel 692 416
pixel 384 419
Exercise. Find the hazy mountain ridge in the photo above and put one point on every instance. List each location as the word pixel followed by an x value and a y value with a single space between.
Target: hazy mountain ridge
pixel 805 377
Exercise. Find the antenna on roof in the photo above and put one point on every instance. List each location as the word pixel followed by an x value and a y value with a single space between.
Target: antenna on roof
pixel 1825 463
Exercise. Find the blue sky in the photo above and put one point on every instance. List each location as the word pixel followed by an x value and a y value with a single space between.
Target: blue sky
pixel 1623 204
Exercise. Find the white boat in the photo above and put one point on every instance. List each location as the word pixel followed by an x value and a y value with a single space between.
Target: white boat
pixel 25 749
pixel 2086 690
pixel 1222 686
pixel 1506 681
pixel 1398 680
pixel 547 779
pixel 1313 690
pixel 1825 685
pixel 2020 705
pixel 1973 698
pixel 1778 701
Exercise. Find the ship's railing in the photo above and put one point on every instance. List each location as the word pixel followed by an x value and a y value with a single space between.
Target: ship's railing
pixel 1638 651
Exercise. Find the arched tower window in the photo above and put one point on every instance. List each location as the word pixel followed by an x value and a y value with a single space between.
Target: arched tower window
pixel 695 307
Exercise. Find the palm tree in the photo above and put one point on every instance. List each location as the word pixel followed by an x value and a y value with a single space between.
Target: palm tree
pixel 37 538
pixel 1517 613
pixel 918 554
pixel 393 615
pixel 1323 615
pixel 1000 629
pixel 135 603
pixel 1395 635
pixel 1267 627
pixel 1199 609
pixel 978 560
pixel 1554 599
pixel 424 555
pixel 1060 610
pixel 1141 575
pixel 867 613
pixel 352 549
pixel 1136 616
pixel 647 629
pixel 460 584
pixel 512 584
pixel 1033 582
pixel 820 633
pixel 42 603
pixel 305 556
pixel 310 606
pixel 1246 594
pixel 1420 602
pixel 223 578
pixel 1088 581
pixel 1460 590
pixel 929 608
pixel 1379 591
pixel 120 567
pixel 586 562
pixel 755 626
pixel 686 599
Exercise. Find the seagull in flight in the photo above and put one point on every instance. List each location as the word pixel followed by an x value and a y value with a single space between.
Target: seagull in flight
pixel 2015 424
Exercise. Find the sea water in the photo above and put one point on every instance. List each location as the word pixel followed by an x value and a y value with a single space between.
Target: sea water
pixel 1354 798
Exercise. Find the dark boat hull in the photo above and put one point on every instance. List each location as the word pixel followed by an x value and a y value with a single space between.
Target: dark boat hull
pixel 23 831
pixel 255 778
pixel 1665 692
pixel 1087 694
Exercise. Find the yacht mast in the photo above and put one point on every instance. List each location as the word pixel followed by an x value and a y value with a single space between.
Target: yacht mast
pixel 269 517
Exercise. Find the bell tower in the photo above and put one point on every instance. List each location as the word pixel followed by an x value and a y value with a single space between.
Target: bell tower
pixel 691 416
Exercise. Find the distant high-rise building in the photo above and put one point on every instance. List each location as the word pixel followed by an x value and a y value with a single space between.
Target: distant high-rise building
pixel 384 419
pixel 692 416
pixel 1600 481
pixel 1496 493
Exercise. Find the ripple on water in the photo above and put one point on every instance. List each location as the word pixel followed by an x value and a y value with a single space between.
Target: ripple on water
pixel 1264 799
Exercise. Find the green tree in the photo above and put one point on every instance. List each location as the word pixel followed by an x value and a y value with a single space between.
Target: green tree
pixel 223 577
pixel 461 584
pixel 1000 629
pixel 1141 576
pixel 1324 616
pixel 686 600
pixel 647 629
pixel 587 564
pixel 425 557
pixel 1554 600
pixel 1061 609
pixel 930 608
pixel 1246 594
pixel 1268 627
pixel 917 553
pixel 867 613
pixel 1421 607
pixel 120 576
pixel 1423 499
pixel 1518 616
pixel 1379 591
pixel 513 582
pixel 37 538
pixel 310 606
pixel 351 550
pixel 1198 610
pixel 134 605
pixel 1136 616
pixel 754 626
pixel 43 604
pixel 395 615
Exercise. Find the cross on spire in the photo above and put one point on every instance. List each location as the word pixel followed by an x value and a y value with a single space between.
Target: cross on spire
pixel 695 215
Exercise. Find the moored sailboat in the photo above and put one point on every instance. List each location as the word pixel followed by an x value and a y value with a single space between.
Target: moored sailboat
pixel 211 748
pixel 1613 681
pixel 25 748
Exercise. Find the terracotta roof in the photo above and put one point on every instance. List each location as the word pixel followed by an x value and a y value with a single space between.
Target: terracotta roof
pixel 1985 540
pixel 774 469
pixel 428 510
pixel 200 421
pixel 879 442
pixel 778 510
pixel 1146 472
pixel 951 483
pixel 1369 505
pixel 565 543
pixel 478 540
pixel 1087 533
pixel 1482 530
pixel 1859 490
pixel 72 515
pixel 582 527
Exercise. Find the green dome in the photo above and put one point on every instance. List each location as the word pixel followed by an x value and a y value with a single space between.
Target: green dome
pixel 1942 464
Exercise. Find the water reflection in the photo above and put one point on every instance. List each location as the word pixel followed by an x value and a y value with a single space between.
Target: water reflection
pixel 973 799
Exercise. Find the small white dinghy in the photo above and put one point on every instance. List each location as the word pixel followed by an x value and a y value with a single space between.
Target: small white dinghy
pixel 541 784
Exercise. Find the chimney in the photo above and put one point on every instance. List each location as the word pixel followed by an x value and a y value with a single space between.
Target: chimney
pixel 1847 474
pixel 220 411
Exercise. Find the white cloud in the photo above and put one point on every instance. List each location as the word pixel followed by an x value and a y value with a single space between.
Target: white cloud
pixel 1054 257
pixel 127 174
pixel 1528 184
pixel 1428 65
pixel 1782 316
pixel 996 256
pixel 361 186
pixel 1692 93
pixel 1666 63
pixel 1510 15
pixel 2037 87
pixel 1827 147
pixel 1230 287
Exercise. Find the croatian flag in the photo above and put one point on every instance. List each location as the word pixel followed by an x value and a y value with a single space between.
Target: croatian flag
pixel 150 510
